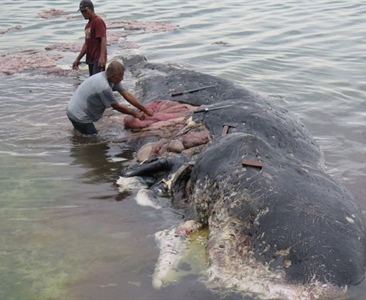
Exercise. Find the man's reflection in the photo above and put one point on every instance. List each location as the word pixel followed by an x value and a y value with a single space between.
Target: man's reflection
pixel 103 162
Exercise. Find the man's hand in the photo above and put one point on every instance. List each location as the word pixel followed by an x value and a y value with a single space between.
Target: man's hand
pixel 148 111
pixel 139 115
pixel 75 64
pixel 101 62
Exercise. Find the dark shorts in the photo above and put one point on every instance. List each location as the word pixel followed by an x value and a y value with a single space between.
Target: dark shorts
pixel 85 128
pixel 94 69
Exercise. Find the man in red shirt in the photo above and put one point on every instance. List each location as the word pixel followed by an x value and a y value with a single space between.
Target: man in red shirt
pixel 95 45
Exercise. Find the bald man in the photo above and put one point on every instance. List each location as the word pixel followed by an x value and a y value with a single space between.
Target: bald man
pixel 95 94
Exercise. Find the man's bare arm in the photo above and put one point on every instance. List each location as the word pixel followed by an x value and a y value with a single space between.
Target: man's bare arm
pixel 75 64
pixel 103 52
pixel 132 100
pixel 125 110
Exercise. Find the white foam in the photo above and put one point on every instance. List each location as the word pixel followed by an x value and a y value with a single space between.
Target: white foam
pixel 146 197
pixel 130 183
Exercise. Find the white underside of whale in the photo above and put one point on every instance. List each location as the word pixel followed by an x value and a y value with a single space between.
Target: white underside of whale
pixel 216 258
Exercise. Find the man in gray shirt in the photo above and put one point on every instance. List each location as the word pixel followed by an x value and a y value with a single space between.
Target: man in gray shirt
pixel 95 94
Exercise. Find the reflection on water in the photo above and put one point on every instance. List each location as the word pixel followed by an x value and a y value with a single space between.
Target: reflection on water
pixel 92 153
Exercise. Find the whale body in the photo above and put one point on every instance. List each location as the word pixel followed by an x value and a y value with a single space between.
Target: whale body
pixel 260 188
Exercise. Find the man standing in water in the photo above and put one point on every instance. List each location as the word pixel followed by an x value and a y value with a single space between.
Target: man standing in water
pixel 95 94
pixel 95 44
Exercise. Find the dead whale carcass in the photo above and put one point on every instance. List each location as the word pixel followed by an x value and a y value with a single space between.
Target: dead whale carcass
pixel 259 186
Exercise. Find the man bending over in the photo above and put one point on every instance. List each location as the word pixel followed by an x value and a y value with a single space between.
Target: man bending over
pixel 95 94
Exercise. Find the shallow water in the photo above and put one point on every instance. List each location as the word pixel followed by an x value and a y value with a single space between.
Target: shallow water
pixel 67 231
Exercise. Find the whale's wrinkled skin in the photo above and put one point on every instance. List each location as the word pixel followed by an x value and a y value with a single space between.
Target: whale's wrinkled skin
pixel 287 214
